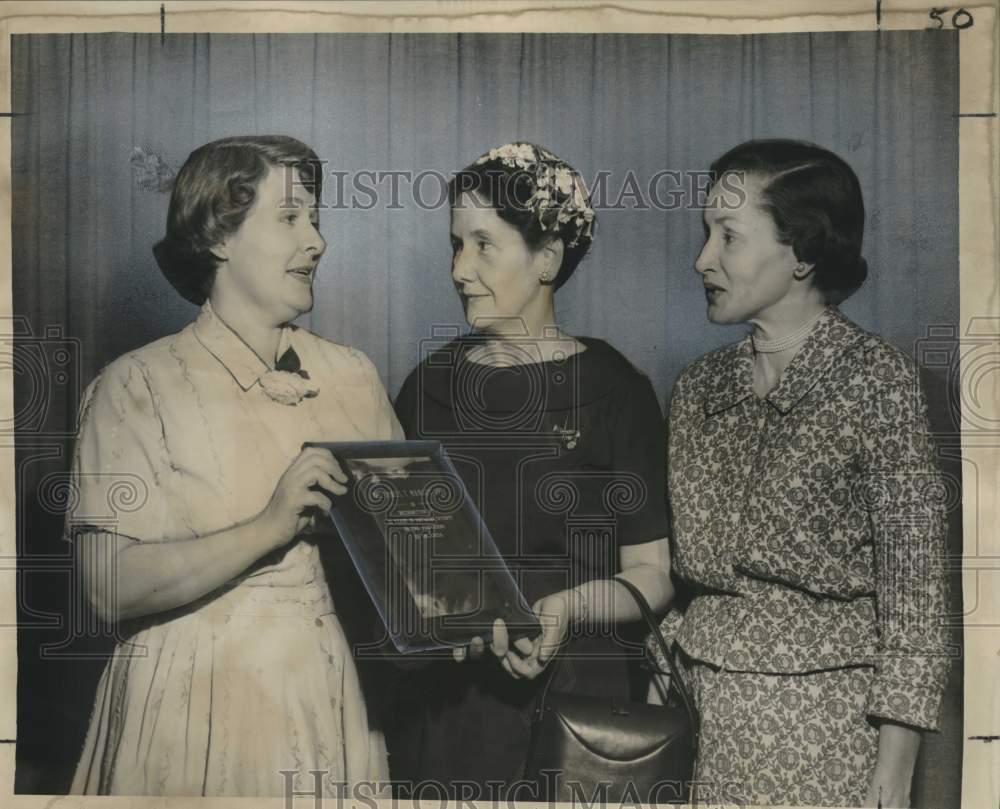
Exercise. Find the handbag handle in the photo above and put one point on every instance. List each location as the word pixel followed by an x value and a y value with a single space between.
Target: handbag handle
pixel 654 628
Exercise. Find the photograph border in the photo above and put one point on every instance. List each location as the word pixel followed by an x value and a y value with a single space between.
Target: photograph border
pixel 979 161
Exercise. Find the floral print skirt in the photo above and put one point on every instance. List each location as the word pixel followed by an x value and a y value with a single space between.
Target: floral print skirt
pixel 783 739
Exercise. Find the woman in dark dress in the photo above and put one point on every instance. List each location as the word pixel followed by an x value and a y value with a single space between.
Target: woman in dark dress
pixel 559 441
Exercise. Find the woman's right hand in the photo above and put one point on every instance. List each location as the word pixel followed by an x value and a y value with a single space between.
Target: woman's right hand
pixel 286 514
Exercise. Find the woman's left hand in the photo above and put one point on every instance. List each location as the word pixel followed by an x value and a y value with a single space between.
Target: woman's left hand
pixel 525 659
pixel 897 755
pixel 889 790
pixel 529 658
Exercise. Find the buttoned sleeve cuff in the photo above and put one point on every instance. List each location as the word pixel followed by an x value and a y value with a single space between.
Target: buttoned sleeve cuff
pixel 897 695
pixel 669 627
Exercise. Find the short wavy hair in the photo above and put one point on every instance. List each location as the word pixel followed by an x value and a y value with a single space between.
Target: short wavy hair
pixel 814 199
pixel 212 195
pixel 511 190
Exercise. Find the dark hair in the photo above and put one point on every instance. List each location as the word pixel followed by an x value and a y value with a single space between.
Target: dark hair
pixel 508 190
pixel 814 198
pixel 212 195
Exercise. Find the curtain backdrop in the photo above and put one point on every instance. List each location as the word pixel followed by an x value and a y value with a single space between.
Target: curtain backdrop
pixel 84 223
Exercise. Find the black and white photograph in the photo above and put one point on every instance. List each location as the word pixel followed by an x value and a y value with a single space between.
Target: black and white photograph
pixel 683 311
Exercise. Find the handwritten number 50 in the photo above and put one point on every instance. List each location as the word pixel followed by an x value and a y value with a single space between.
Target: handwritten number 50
pixel 960 19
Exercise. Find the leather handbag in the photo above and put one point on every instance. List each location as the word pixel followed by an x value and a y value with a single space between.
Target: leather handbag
pixel 611 750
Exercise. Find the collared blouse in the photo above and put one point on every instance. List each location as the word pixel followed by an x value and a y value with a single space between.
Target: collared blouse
pixel 811 523
pixel 179 438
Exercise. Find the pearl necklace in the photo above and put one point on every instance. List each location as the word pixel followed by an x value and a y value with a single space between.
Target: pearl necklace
pixel 786 342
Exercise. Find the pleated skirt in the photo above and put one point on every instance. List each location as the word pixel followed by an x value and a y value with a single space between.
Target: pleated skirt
pixel 216 703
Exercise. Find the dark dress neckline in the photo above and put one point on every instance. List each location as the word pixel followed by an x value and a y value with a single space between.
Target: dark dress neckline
pixel 472 344
pixel 455 382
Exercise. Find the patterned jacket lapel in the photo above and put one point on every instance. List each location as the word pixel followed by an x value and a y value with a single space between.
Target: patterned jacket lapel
pixel 833 336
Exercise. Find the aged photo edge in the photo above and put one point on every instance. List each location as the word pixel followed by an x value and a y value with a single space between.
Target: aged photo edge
pixel 979 150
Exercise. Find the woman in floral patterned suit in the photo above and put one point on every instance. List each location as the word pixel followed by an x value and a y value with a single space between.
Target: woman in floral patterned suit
pixel 808 516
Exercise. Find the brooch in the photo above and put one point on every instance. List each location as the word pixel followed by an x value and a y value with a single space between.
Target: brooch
pixel 288 383
pixel 569 437
pixel 287 387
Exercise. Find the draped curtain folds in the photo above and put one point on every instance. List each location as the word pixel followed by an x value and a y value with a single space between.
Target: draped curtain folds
pixel 620 104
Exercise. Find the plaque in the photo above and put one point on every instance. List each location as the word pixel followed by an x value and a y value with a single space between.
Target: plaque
pixel 421 547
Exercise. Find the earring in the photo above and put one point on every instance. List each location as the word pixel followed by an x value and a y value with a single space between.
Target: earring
pixel 800 269
pixel 545 276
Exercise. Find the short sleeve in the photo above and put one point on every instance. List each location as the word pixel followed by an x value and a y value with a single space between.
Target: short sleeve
pixel 406 404
pixel 639 447
pixel 386 424
pixel 119 458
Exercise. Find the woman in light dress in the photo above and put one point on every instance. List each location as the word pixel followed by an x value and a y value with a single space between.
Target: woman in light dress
pixel 196 502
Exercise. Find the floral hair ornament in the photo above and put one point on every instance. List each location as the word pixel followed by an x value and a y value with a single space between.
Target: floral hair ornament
pixel 558 196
